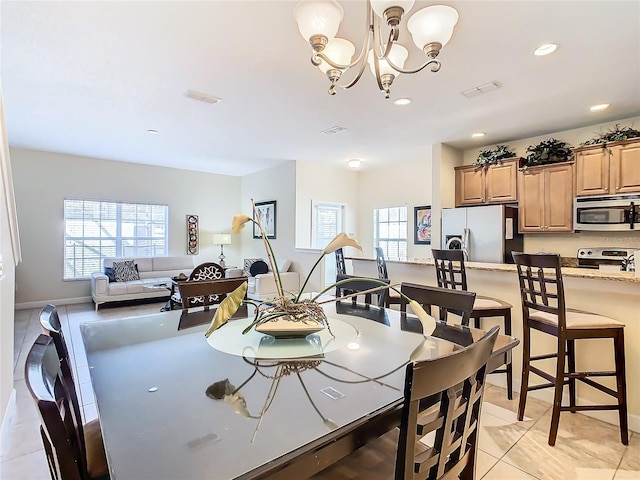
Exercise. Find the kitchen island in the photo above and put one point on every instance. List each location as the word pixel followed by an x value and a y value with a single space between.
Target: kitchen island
pixel 612 293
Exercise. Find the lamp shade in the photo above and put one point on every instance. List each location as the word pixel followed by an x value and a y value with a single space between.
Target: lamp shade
pixel 318 17
pixel 432 24
pixel 380 6
pixel 222 239
pixel 398 55
pixel 339 51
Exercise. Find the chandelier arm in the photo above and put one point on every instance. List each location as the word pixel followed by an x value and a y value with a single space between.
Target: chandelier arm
pixel 435 66
pixel 376 59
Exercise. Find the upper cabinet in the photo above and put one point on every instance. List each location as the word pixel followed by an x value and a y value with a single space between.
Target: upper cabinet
pixel 477 184
pixel 610 169
pixel 546 198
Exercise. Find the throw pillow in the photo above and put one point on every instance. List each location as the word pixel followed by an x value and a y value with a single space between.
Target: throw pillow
pixel 247 266
pixel 258 267
pixel 125 271
pixel 108 271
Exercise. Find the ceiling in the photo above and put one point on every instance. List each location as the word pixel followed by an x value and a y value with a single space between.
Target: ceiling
pixel 90 78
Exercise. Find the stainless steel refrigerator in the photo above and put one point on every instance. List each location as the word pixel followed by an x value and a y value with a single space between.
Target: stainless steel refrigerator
pixel 486 233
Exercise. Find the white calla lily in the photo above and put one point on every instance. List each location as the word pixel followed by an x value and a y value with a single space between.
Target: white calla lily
pixel 340 241
pixel 239 222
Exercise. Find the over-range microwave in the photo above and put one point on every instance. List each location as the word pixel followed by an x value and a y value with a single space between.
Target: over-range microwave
pixel 607 213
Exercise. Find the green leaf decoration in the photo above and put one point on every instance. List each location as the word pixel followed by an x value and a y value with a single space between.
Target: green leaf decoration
pixel 494 156
pixel 616 134
pixel 227 308
pixel 548 151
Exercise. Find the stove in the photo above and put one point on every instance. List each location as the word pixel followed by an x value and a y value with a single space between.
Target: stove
pixel 594 257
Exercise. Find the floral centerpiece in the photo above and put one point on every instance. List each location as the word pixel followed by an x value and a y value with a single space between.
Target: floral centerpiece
pixel 292 307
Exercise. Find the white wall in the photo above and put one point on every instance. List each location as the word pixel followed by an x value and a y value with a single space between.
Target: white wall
pixel 567 244
pixel 407 183
pixel 43 180
pixel 316 182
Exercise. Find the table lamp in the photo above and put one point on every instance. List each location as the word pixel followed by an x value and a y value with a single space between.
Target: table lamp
pixel 221 239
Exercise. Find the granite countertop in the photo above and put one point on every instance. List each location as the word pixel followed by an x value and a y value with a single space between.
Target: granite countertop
pixel 569 268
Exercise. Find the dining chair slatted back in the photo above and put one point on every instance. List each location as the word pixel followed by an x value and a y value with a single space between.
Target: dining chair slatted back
pixel 51 326
pixel 451 273
pixel 354 284
pixel 544 309
pixel 450 269
pixel 62 431
pixel 341 268
pixel 444 396
pixel 383 274
pixel 207 292
pixel 438 434
pixel 457 302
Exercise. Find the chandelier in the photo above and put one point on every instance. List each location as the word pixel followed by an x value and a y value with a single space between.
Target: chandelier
pixel 319 20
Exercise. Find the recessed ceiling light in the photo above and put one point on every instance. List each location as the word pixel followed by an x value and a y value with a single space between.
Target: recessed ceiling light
pixel 478 135
pixel 402 101
pixel 599 108
pixel 545 49
pixel 152 132
pixel 355 163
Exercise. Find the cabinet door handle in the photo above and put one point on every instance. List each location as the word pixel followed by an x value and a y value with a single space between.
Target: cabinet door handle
pixel 606 189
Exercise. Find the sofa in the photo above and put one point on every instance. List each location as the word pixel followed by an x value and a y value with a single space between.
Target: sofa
pixel 262 286
pixel 154 278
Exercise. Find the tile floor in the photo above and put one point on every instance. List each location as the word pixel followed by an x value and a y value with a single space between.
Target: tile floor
pixel 509 450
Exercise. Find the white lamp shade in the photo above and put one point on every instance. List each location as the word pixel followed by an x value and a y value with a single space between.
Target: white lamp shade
pixel 380 6
pixel 432 24
pixel 318 17
pixel 222 239
pixel 339 51
pixel 398 55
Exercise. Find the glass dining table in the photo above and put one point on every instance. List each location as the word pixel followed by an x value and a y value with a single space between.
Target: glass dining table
pixel 173 404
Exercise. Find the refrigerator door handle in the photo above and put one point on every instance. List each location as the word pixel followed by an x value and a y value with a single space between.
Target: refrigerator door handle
pixel 465 244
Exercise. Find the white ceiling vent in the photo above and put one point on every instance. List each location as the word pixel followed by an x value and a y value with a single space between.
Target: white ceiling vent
pixel 486 88
pixel 202 97
pixel 333 130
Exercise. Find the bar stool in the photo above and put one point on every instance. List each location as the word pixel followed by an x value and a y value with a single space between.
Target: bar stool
pixel 544 309
pixel 451 273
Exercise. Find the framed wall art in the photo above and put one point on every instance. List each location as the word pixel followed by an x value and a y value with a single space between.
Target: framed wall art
pixel 193 243
pixel 266 213
pixel 422 225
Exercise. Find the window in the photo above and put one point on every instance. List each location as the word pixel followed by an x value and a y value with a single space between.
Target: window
pixel 327 223
pixel 390 231
pixel 94 230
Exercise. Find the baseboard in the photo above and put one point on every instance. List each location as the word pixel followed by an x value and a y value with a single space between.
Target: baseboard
pixel 546 396
pixel 59 301
pixel 7 418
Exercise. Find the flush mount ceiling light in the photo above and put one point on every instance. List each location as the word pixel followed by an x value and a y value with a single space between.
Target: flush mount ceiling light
pixel 478 135
pixel 152 131
pixel 402 101
pixel 599 108
pixel 318 21
pixel 355 163
pixel 545 49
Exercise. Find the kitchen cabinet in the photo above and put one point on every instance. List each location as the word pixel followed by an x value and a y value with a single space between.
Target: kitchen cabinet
pixel 488 184
pixel 546 198
pixel 608 169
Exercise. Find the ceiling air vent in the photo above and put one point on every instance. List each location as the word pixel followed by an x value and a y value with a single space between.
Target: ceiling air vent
pixel 333 130
pixel 475 91
pixel 202 97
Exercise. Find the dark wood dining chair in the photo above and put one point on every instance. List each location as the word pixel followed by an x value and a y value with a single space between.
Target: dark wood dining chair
pixel 457 302
pixel 74 451
pixel 383 274
pixel 354 284
pixel 207 292
pixel 442 402
pixel 201 272
pixel 451 273
pixel 544 309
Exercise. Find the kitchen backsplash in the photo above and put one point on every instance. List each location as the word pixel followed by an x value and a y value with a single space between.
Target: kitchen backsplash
pixel 567 244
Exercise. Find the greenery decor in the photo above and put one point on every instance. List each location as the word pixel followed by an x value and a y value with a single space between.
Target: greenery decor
pixel 547 151
pixel 494 156
pixel 616 134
